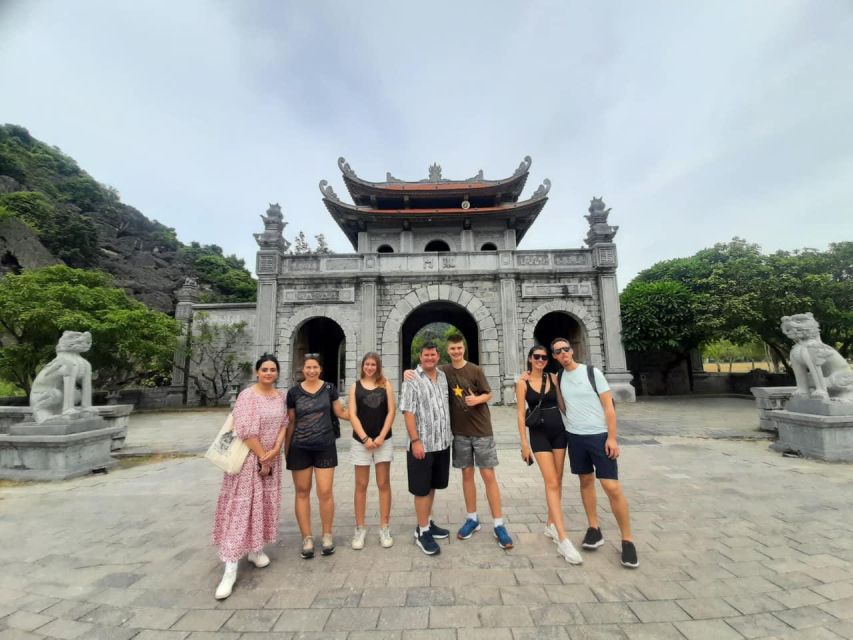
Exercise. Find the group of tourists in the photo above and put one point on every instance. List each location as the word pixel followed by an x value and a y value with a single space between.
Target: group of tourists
pixel 446 416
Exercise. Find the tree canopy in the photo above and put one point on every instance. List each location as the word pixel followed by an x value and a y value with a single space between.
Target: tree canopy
pixel 130 343
pixel 733 291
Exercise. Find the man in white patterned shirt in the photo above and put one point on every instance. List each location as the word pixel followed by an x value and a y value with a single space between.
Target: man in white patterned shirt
pixel 426 411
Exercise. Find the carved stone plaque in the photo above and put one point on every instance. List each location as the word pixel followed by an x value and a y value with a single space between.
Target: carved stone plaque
pixel 448 262
pixel 606 255
pixel 532 260
pixel 346 294
pixel 343 264
pixel 267 263
pixel 305 265
pixel 555 290
pixel 429 263
pixel 571 259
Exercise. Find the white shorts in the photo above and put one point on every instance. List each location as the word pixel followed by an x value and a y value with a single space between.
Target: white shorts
pixel 364 457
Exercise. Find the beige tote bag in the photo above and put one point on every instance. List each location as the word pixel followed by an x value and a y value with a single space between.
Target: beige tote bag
pixel 228 452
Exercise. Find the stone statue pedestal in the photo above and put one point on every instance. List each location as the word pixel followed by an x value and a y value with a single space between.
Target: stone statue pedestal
pixel 814 436
pixel 820 407
pixel 57 449
pixel 115 415
pixel 621 387
pixel 769 400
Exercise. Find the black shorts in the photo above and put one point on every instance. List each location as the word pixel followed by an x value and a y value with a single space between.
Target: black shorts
pixel 586 454
pixel 547 437
pixel 299 458
pixel 433 472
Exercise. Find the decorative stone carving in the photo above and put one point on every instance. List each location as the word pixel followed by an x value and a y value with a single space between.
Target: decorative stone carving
pixel 599 230
pixel 328 192
pixel 392 179
pixel 343 165
pixel 476 178
pixel 532 260
pixel 347 294
pixel 524 167
pixel 189 291
pixel 542 190
pixel 267 263
pixel 274 224
pixel 435 172
pixel 556 289
pixel 820 371
pixel 343 264
pixel 63 388
pixel 563 260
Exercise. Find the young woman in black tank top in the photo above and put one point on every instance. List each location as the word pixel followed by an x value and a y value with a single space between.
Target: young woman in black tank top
pixel 546 443
pixel 371 399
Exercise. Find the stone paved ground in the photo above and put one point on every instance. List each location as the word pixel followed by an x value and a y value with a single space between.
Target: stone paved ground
pixel 734 541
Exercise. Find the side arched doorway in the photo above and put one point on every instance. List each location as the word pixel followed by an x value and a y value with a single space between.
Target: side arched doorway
pixel 444 312
pixel 326 338
pixel 558 324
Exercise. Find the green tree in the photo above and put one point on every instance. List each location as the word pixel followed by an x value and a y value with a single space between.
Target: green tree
pixel 739 294
pixel 130 343
pixel 214 365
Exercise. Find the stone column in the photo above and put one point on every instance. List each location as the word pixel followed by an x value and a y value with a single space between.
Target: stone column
pixel 187 296
pixel 407 241
pixel 509 320
pixel 467 240
pixel 266 313
pixel 368 315
pixel 615 364
pixel 509 239
pixel 363 242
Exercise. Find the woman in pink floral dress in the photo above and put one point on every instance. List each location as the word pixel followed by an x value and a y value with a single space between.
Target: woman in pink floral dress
pixel 247 510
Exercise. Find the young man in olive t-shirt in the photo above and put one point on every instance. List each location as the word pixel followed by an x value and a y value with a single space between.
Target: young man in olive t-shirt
pixel 473 440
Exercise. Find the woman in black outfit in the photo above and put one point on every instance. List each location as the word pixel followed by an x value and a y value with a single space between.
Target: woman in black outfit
pixel 547 442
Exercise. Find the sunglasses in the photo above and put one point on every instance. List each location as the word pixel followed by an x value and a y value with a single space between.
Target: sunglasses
pixel 560 350
pixel 311 356
pixel 539 356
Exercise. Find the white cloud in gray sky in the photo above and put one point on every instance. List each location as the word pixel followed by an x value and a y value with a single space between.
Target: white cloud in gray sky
pixel 696 121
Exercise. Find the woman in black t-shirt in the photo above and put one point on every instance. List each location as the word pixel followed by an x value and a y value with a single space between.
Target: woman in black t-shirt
pixel 372 401
pixel 310 450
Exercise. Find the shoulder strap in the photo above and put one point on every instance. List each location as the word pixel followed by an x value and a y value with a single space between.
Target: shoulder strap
pixel 590 373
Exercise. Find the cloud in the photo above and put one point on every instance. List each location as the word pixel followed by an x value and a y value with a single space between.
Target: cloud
pixel 695 122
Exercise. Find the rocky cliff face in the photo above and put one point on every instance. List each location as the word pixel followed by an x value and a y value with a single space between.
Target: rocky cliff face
pixel 52 211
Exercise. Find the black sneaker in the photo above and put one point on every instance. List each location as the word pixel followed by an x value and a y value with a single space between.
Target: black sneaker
pixel 426 542
pixel 593 539
pixel 629 555
pixel 438 532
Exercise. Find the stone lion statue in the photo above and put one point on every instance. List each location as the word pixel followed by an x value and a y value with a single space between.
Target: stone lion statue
pixel 820 371
pixel 65 382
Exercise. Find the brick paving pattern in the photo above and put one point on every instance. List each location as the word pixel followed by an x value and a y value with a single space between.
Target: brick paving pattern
pixel 735 541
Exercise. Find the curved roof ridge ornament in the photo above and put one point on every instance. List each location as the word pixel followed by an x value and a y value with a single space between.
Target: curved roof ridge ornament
pixel 390 178
pixel 343 165
pixel 434 172
pixel 477 178
pixel 327 191
pixel 543 189
pixel 524 167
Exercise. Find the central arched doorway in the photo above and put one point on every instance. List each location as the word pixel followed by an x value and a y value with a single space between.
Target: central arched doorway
pixel 561 325
pixel 439 311
pixel 325 337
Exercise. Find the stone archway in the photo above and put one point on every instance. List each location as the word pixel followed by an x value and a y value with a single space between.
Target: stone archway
pixel 489 346
pixel 290 332
pixel 590 330
pixel 439 311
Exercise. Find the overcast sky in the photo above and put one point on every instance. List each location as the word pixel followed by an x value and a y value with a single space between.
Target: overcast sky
pixel 696 121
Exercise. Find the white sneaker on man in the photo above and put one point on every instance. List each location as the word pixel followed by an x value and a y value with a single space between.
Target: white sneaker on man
pixel 568 551
pixel 259 559
pixel 385 539
pixel 358 538
pixel 226 585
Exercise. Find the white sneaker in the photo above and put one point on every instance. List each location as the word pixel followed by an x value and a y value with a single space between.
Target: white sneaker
pixel 226 585
pixel 551 532
pixel 568 551
pixel 358 538
pixel 385 538
pixel 259 559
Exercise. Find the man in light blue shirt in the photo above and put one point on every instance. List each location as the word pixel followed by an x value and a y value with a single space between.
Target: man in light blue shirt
pixel 590 420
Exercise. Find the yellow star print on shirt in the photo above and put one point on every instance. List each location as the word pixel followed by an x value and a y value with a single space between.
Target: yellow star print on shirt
pixel 457 391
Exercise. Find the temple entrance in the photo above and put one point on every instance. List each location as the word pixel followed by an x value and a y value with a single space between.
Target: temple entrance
pixel 325 337
pixel 439 312
pixel 560 325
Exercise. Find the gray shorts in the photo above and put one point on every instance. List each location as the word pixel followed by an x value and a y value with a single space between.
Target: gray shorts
pixel 469 451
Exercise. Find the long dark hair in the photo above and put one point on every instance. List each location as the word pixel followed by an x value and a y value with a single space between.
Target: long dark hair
pixel 535 347
pixel 267 357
